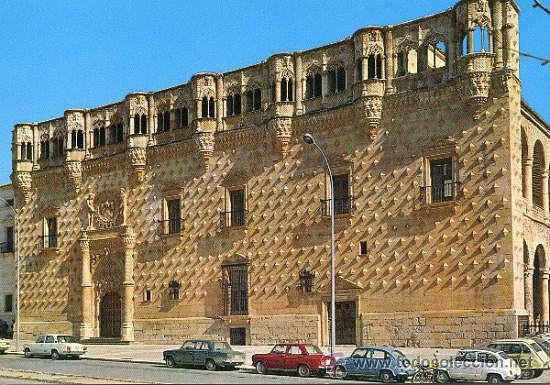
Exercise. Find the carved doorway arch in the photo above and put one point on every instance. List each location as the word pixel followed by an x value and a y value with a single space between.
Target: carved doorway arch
pixel 110 315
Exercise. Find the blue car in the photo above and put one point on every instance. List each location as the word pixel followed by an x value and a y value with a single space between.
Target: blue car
pixel 382 362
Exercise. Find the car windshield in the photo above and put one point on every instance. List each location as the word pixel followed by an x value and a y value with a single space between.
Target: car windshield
pixel 400 354
pixel 313 349
pixel 67 339
pixel 535 347
pixel 221 346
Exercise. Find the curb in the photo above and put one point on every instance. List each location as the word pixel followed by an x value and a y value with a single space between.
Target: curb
pixel 132 361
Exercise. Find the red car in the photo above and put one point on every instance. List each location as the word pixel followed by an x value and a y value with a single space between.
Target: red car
pixel 301 358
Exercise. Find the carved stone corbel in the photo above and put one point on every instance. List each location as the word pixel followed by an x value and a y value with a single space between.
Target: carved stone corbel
pixel 23 185
pixel 138 159
pixel 282 130
pixel 477 90
pixel 205 144
pixel 370 114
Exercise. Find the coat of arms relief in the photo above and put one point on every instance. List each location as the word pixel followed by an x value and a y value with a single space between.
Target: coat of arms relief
pixel 106 210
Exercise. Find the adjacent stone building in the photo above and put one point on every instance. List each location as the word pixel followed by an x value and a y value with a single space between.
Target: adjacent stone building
pixel 7 253
pixel 198 211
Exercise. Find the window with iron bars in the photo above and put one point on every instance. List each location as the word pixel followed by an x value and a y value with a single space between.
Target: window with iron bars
pixel 172 222
pixel 236 289
pixel 306 281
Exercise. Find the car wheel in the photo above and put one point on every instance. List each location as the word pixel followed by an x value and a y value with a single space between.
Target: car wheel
pixel 261 368
pixel 441 377
pixel 170 362
pixel 340 372
pixel 54 355
pixel 27 353
pixel 386 376
pixel 494 379
pixel 210 365
pixel 303 371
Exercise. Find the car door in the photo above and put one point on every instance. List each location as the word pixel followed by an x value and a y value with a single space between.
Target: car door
pixel 185 355
pixel 357 362
pixel 487 362
pixel 38 346
pixel 463 366
pixel 200 353
pixel 378 361
pixel 277 357
pixel 48 345
pixel 369 364
pixel 293 358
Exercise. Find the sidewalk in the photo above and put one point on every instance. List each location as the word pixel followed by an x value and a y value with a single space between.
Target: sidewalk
pixel 152 354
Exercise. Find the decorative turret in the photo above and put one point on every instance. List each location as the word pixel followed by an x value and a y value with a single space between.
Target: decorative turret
pixel 207 90
pixel 370 84
pixel 23 156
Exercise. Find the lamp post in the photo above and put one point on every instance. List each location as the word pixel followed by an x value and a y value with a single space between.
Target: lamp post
pixel 309 139
pixel 17 268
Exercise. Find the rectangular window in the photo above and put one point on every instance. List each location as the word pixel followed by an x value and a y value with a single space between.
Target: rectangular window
pixel 50 233
pixel 363 248
pixel 8 303
pixel 441 175
pixel 237 336
pixel 174 216
pixel 9 240
pixel 342 200
pixel 238 278
pixel 237 201
pixel 148 295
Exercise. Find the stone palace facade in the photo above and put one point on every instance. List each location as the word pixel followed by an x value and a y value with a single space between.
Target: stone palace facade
pixel 198 211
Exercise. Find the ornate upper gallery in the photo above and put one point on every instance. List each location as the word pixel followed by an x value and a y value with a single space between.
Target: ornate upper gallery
pixel 473 45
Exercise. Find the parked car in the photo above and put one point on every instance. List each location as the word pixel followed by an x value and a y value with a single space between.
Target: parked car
pixel 55 346
pixel 479 365
pixel 4 345
pixel 303 359
pixel 383 362
pixel 527 353
pixel 543 343
pixel 210 354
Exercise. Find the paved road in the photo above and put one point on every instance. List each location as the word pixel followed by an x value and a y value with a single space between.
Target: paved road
pixel 149 372
pixel 152 373
pixel 16 381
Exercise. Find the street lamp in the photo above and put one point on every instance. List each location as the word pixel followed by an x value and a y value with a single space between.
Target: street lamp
pixel 17 267
pixel 309 139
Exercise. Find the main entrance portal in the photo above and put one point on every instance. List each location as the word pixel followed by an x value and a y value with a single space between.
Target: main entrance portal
pixel 109 314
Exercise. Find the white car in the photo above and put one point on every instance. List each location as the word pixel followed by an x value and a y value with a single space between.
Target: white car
pixel 479 365
pixel 55 346
pixel 4 345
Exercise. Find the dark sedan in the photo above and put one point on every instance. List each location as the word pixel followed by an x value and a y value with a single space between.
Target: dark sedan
pixel 206 353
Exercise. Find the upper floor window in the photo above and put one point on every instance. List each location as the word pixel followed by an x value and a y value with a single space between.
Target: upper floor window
pixel 233 104
pixel 77 139
pixel 163 121
pixel 44 149
pixel 182 117
pixel 99 136
pixel 59 148
pixel 336 80
pixel 172 215
pixel 481 39
pixel 440 186
pixel 50 232
pixel 436 55
pixel 406 62
pixel 208 107
pixel 8 246
pixel 343 200
pixel 117 133
pixel 25 151
pixel 359 70
pixel 174 290
pixel 314 86
pixel 306 281
pixel 8 303
pixel 140 124
pixel 287 90
pixel 253 100
pixel 374 66
pixel 235 216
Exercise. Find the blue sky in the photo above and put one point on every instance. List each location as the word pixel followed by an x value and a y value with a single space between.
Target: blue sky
pixel 58 54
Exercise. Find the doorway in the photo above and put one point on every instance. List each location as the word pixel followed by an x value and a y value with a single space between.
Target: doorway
pixel 345 322
pixel 110 317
